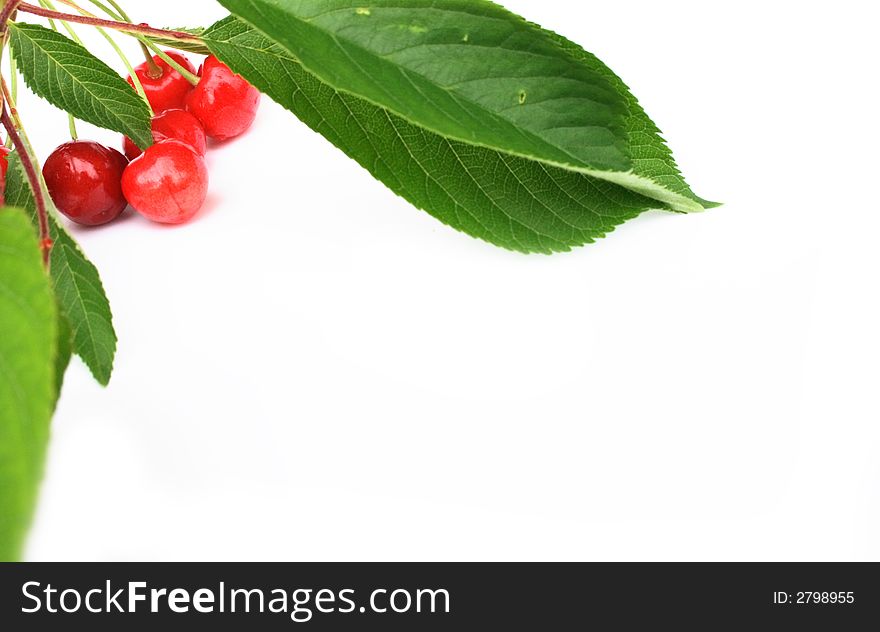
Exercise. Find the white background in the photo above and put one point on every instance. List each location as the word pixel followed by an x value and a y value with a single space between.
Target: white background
pixel 314 370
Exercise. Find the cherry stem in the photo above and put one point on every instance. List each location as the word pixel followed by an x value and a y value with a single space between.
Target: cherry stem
pixel 125 27
pixel 154 71
pixel 116 12
pixel 33 179
pixel 71 124
pixel 186 74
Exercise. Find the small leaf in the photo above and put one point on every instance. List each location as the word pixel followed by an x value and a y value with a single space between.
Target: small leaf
pixel 71 78
pixel 512 202
pixel 77 283
pixel 81 295
pixel 28 334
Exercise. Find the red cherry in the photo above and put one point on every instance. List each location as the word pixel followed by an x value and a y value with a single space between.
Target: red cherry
pixel 168 183
pixel 84 182
pixel 224 102
pixel 173 125
pixel 169 89
pixel 4 161
pixel 4 167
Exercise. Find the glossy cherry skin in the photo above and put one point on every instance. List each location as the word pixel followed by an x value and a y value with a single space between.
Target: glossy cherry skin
pixel 169 90
pixel 4 161
pixel 4 167
pixel 173 125
pixel 224 102
pixel 84 179
pixel 168 183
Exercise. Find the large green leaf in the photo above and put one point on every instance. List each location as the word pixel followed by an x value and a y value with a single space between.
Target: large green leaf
pixel 513 202
pixel 71 78
pixel 466 70
pixel 472 72
pixel 78 286
pixel 28 334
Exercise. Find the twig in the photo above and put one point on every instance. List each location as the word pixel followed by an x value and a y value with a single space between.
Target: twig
pixel 8 9
pixel 33 179
pixel 125 27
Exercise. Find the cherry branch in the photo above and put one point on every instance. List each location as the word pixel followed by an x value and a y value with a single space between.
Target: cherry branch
pixel 33 179
pixel 125 27
pixel 27 161
pixel 8 9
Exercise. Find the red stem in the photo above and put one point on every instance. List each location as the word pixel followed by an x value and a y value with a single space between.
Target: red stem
pixel 110 24
pixel 8 9
pixel 33 180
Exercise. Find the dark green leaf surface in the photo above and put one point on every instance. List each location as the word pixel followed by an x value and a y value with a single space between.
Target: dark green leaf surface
pixel 78 286
pixel 28 333
pixel 651 157
pixel 520 204
pixel 467 70
pixel 81 294
pixel 71 78
pixel 470 71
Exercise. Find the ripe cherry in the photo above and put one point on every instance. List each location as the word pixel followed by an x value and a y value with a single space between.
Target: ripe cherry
pixel 168 183
pixel 173 125
pixel 4 167
pixel 224 102
pixel 83 179
pixel 166 88
pixel 4 161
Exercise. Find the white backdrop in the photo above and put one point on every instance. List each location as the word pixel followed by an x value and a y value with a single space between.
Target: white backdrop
pixel 314 370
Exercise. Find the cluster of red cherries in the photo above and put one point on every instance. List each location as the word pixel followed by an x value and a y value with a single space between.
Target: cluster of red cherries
pixel 168 182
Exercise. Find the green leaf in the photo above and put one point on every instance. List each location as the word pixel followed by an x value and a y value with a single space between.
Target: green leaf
pixel 472 72
pixel 466 70
pixel 71 78
pixel 84 303
pixel 519 204
pixel 29 326
pixel 651 157
pixel 77 283
pixel 65 352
